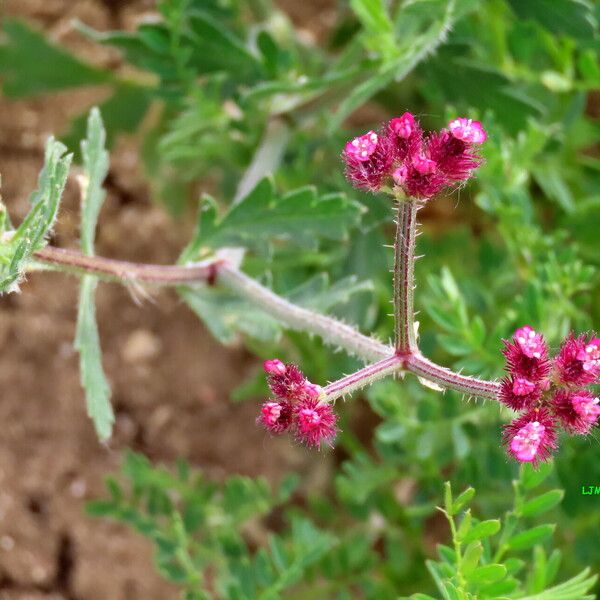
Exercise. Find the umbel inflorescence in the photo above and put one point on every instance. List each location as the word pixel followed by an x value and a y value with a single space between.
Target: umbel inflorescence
pixel 550 394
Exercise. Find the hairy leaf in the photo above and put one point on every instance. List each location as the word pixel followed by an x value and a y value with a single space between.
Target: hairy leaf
pixel 31 234
pixel 93 380
pixel 300 217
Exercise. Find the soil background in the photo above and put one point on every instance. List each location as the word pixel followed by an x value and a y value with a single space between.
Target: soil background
pixel 171 381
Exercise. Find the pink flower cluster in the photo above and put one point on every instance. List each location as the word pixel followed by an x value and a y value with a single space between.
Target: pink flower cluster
pixel 298 406
pixel 549 393
pixel 400 154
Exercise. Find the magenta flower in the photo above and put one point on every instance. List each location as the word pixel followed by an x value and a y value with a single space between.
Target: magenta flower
pixel 467 130
pixel 299 405
pixel 276 417
pixel 577 411
pixel 316 423
pixel 405 126
pixel 368 159
pixel 548 402
pixel 288 385
pixel 531 437
pixel 519 393
pixel 418 165
pixel 576 363
pixel 527 355
pixel 274 367
pixel 590 357
pixel 456 159
pixel 362 147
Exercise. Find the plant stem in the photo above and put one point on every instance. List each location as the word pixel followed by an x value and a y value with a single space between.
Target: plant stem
pixel 109 269
pixel 447 379
pixel 404 276
pixel 366 376
pixel 331 330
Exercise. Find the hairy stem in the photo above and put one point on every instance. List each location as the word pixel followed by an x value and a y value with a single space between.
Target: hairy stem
pixel 331 330
pixel 364 377
pixel 122 271
pixel 447 379
pixel 404 275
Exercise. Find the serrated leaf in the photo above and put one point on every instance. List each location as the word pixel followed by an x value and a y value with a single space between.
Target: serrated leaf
pixel 87 339
pixel 530 537
pixel 37 224
pixel 300 217
pixel 93 380
pixel 29 65
pixel 540 504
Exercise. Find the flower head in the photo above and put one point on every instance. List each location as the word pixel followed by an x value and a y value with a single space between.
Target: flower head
pixel 361 148
pixel 455 158
pixel 577 362
pixel 467 130
pixel 530 342
pixel 315 422
pixel 519 393
pixel 532 436
pixel 276 417
pixel 578 411
pixel 590 357
pixel 527 355
pixel 368 159
pixel 289 384
pixel 421 165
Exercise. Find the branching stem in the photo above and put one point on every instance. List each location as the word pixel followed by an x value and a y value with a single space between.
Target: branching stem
pixel 387 360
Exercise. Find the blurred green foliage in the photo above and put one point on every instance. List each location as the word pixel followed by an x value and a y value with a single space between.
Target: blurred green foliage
pixel 238 95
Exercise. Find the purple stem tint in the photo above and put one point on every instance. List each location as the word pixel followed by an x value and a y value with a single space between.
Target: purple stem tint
pixel 406 356
pixel 404 276
pixel 364 377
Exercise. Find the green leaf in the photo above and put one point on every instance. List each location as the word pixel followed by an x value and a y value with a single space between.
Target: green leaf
pixel 482 530
pixel 378 27
pixel 300 217
pixel 29 65
pixel 421 29
pixel 530 537
pixel 540 504
pixel 93 380
pixel 31 234
pixel 95 163
pixel 227 315
pixel 532 477
pixel 216 49
pixel 569 17
pixel 487 574
pixel 87 339
pixel 575 588
pixel 463 499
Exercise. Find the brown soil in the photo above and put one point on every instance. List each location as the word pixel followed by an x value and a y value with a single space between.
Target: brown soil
pixel 171 381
